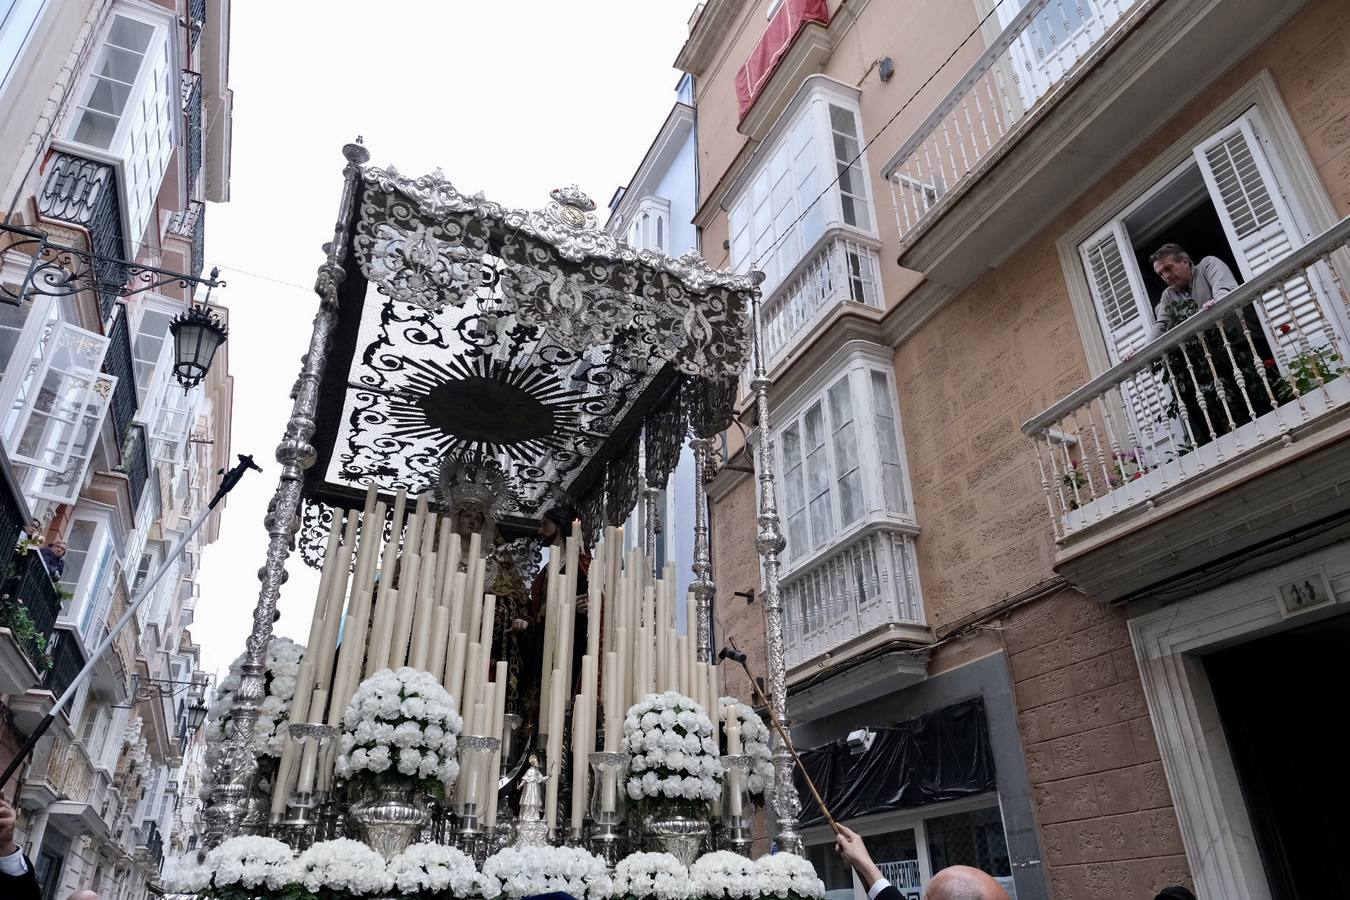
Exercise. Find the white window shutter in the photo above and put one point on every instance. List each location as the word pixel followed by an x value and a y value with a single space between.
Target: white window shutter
pixel 1122 306
pixel 1260 229
pixel 1126 322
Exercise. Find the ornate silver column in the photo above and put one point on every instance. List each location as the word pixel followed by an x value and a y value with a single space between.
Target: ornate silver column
pixel 769 542
pixel 651 519
pixel 704 587
pixel 238 766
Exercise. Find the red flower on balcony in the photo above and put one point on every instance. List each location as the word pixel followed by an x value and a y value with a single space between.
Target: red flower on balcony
pixel 792 17
pixel 1286 328
pixel 1268 363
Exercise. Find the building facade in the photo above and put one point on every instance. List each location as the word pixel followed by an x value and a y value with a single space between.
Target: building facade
pixel 1033 507
pixel 117 134
pixel 655 211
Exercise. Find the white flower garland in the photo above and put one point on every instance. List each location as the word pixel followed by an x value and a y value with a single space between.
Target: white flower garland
pixel 541 870
pixel 724 875
pixel 404 723
pixel 754 744
pixel 437 869
pixel 787 875
pixel 343 865
pixel 279 674
pixel 651 876
pixel 668 738
pixel 247 862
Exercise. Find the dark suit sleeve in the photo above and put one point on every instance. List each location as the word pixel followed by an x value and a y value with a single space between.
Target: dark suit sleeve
pixel 890 892
pixel 20 887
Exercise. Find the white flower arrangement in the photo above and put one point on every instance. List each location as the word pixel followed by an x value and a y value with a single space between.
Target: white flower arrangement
pixel 673 756
pixel 754 744
pixel 651 876
pixel 435 869
pixel 342 865
pixel 183 875
pixel 241 865
pixel 541 870
pixel 269 737
pixel 789 877
pixel 724 875
pixel 401 726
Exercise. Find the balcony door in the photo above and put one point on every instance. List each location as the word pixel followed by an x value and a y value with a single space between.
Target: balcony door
pixel 1227 202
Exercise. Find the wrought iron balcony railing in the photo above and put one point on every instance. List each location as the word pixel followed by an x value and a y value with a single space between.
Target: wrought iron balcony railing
pixel 117 361
pixel 149 839
pixel 84 192
pixel 866 584
pixel 30 606
pixel 839 269
pixel 1226 382
pixel 191 223
pixel 67 661
pixel 196 19
pixel 11 522
pixel 136 462
pixel 1038 51
pixel 191 87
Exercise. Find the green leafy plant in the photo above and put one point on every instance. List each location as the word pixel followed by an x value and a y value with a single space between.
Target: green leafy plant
pixel 1308 371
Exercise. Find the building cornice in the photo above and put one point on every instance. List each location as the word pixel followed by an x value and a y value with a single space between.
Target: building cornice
pixel 706 34
pixel 674 131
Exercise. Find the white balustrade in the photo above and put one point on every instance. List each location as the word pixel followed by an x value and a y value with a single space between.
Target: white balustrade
pixel 1259 364
pixel 1040 46
pixel 866 583
pixel 839 270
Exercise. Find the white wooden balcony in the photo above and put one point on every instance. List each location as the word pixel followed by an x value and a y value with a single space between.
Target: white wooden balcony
pixel 842 268
pixel 864 587
pixel 1221 433
pixel 1062 91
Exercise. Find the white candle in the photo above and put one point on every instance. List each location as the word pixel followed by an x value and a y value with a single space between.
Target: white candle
pixel 473 674
pixel 489 621
pixel 424 625
pixel 440 631
pixel 714 706
pixel 734 785
pixel 579 767
pixel 458 582
pixel 456 661
pixel 498 729
pixel 611 701
pixel 310 758
pixel 554 753
pixel 408 575
pixel 663 661
pixel 733 732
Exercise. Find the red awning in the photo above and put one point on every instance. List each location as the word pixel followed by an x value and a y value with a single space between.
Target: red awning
pixel 782 30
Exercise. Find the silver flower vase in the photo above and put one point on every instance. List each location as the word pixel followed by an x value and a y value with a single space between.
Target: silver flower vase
pixel 390 818
pixel 682 837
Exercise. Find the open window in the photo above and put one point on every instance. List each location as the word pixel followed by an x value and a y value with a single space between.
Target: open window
pixel 1226 202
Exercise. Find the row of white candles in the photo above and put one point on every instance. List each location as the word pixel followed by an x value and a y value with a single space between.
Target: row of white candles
pixel 432 617
pixel 436 618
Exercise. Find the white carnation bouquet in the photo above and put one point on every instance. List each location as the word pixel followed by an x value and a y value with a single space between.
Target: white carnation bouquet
pixel 674 760
pixel 651 876
pixel 788 876
pixel 754 744
pixel 242 867
pixel 342 867
pixel 401 727
pixel 724 875
pixel 540 870
pixel 280 670
pixel 435 870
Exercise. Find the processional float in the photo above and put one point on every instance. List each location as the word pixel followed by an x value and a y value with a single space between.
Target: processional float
pixel 470 368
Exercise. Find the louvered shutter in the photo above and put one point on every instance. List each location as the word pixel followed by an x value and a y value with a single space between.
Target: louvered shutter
pixel 1261 230
pixel 1127 323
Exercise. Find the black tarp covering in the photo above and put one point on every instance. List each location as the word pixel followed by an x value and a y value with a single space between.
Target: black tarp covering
pixel 941 755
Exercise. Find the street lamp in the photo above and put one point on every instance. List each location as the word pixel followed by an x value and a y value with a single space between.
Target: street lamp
pixel 196 714
pixel 197 335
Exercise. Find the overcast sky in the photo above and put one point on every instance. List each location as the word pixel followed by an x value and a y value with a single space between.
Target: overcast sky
pixel 511 97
